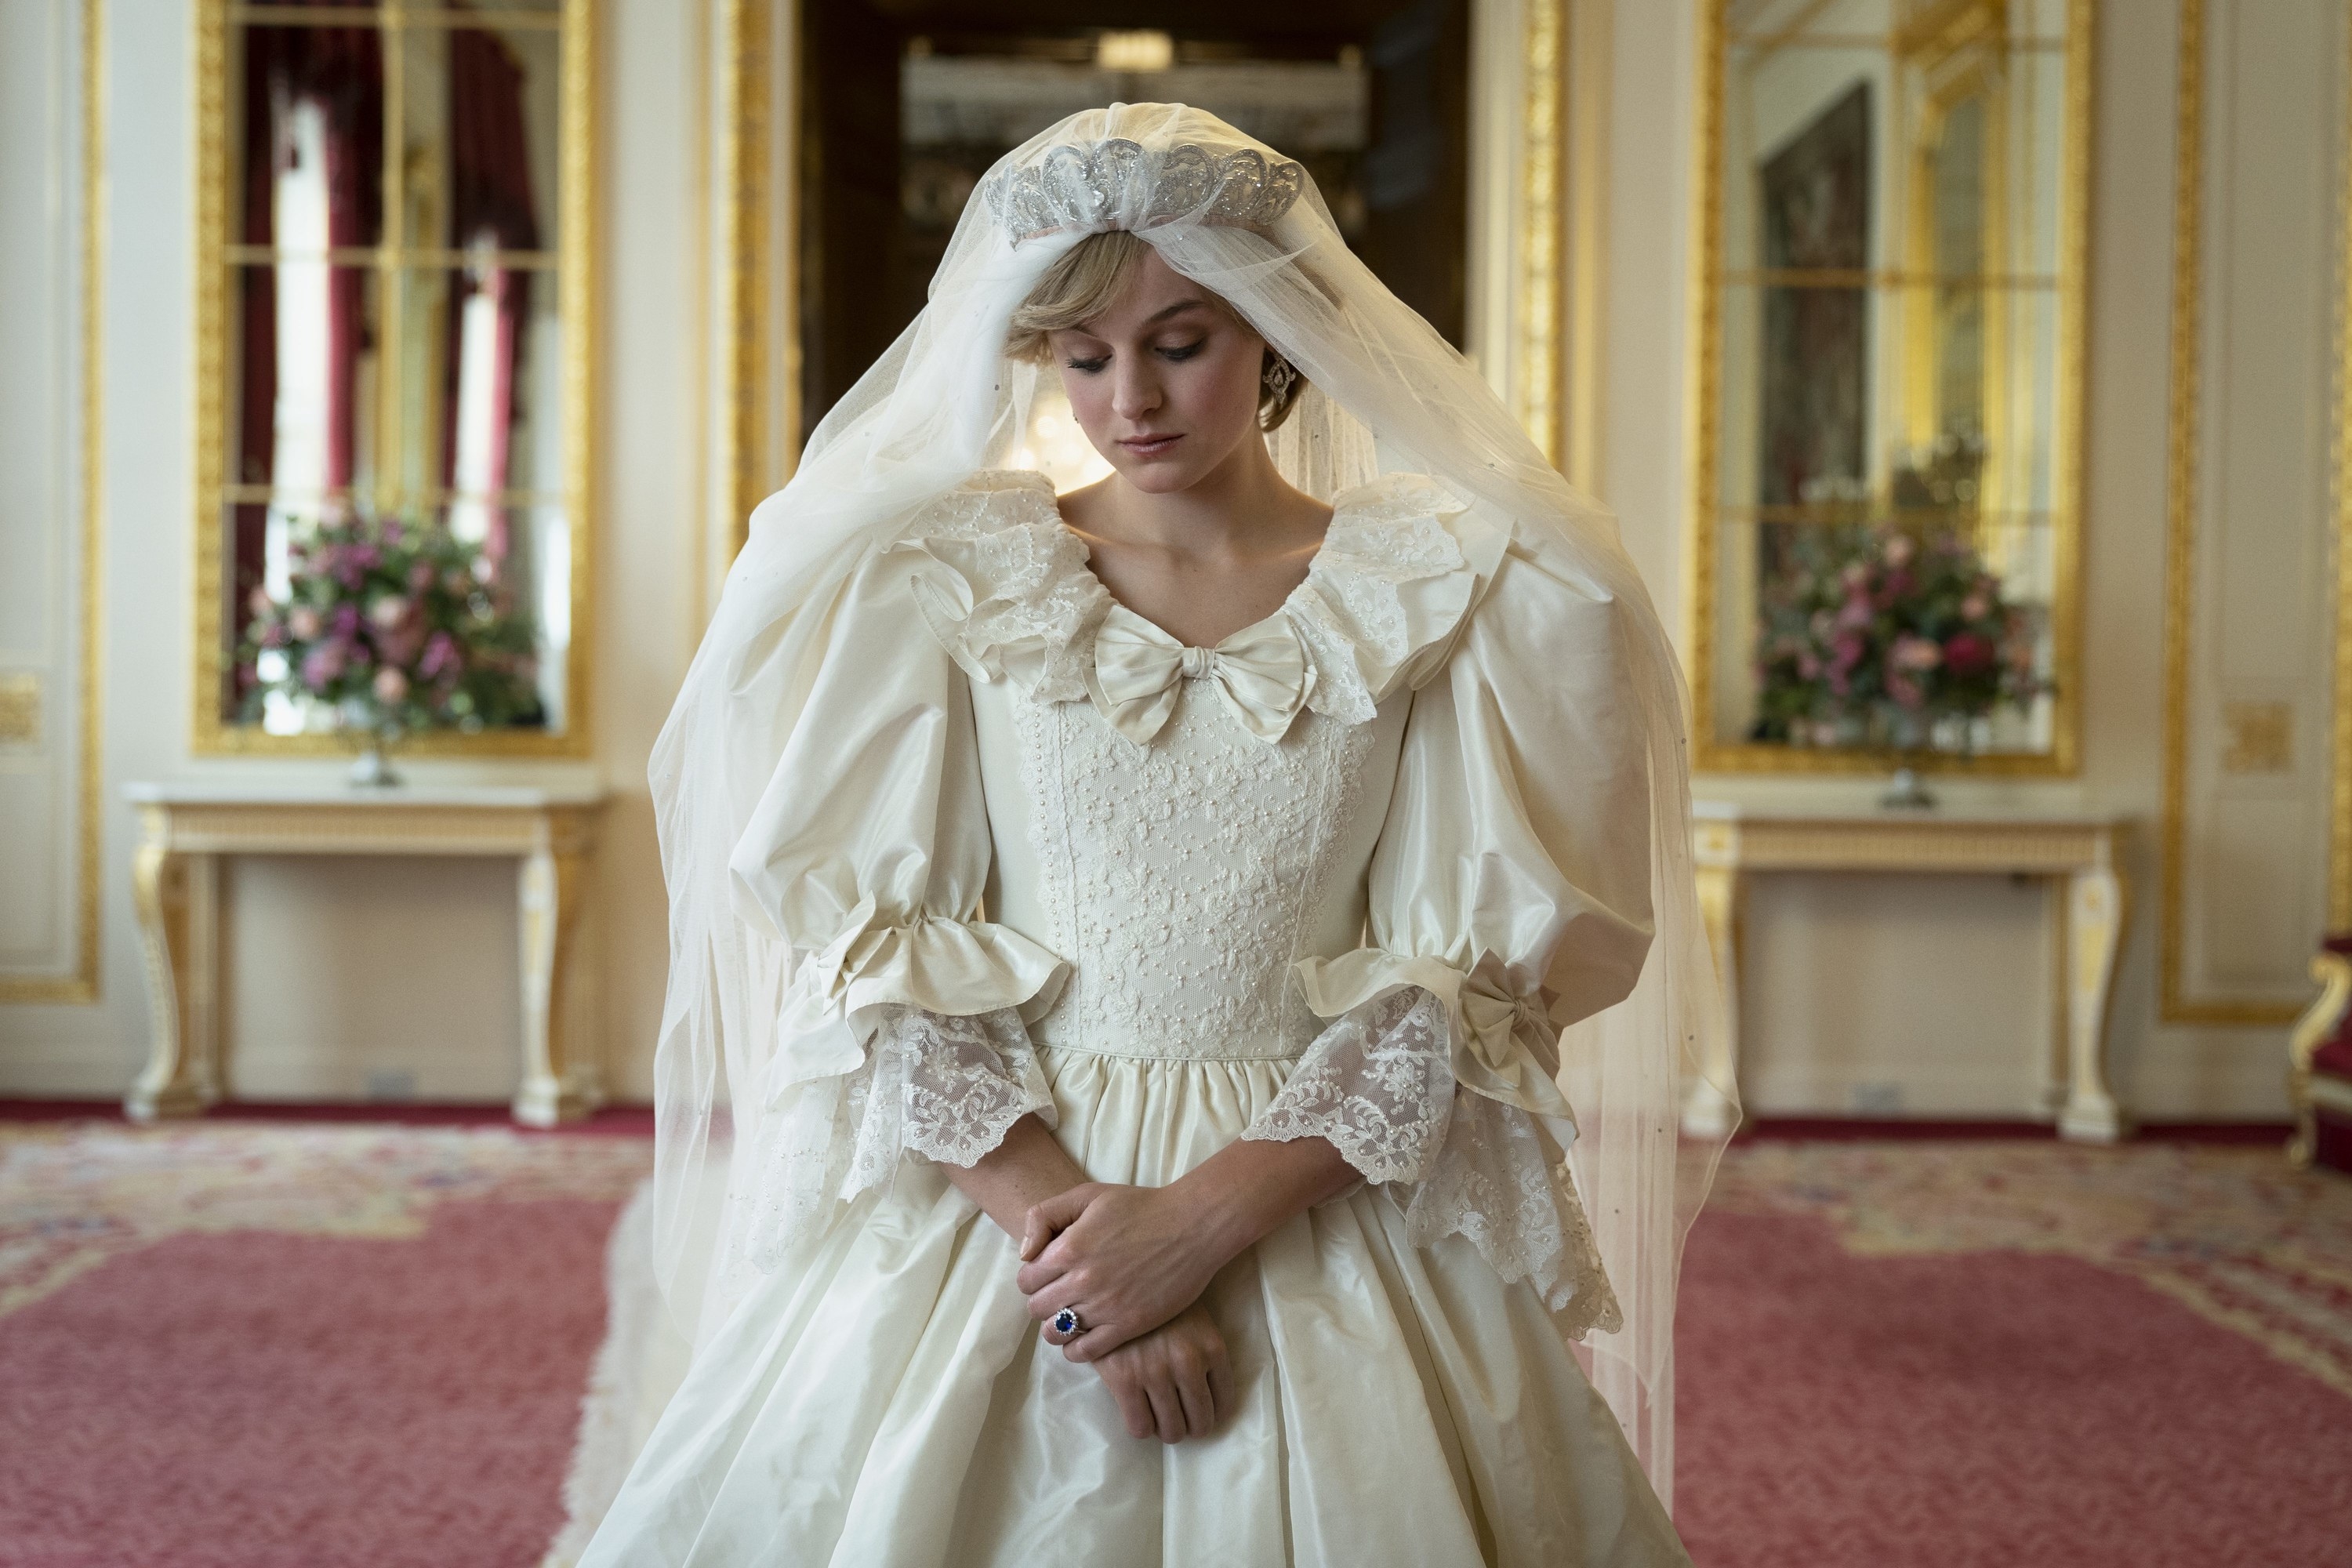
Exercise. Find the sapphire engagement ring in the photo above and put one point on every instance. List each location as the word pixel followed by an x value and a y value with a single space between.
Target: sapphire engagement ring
pixel 1066 1322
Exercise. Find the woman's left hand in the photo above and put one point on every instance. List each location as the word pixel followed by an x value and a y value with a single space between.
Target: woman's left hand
pixel 1126 1259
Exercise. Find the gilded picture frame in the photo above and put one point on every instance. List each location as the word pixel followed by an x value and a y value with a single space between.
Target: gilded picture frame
pixel 212 733
pixel 1705 575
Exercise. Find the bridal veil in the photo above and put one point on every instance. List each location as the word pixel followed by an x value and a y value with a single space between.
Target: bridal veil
pixel 1387 393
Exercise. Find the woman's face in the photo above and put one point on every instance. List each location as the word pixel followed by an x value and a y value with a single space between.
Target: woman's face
pixel 1164 382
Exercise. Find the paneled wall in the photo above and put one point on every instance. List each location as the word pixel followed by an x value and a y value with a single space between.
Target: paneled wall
pixel 1894 993
pixel 48 870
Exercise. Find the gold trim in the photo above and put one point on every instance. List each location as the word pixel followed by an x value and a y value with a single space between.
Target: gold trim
pixel 81 987
pixel 1702 410
pixel 1542 156
pixel 580 312
pixel 2174 1004
pixel 745 175
pixel 2339 843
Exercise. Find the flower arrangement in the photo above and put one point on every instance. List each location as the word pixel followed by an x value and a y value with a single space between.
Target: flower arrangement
pixel 1877 633
pixel 396 626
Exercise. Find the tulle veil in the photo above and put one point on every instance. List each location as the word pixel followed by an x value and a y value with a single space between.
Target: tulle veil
pixel 1386 393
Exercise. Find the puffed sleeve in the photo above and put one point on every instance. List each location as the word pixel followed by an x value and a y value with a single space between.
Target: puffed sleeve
pixel 1509 897
pixel 901 1024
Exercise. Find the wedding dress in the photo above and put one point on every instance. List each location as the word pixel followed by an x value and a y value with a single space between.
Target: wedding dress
pixel 950 838
pixel 1166 897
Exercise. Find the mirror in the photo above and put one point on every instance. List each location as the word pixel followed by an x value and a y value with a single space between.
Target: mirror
pixel 1373 98
pixel 392 239
pixel 1886 469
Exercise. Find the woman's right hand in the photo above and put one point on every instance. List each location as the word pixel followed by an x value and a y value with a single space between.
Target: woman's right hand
pixel 1175 1382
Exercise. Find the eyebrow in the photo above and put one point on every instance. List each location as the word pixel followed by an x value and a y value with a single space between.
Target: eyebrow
pixel 1172 309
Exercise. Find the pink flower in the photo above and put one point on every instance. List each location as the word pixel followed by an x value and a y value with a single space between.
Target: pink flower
pixel 391 686
pixel 441 657
pixel 388 610
pixel 1899 550
pixel 1974 607
pixel 259 602
pixel 1967 655
pixel 1855 615
pixel 322 664
pixel 303 622
pixel 346 622
pixel 1915 653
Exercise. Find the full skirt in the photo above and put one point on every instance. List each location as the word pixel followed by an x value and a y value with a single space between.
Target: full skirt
pixel 883 1400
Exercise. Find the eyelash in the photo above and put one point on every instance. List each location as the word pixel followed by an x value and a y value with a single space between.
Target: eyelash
pixel 1181 353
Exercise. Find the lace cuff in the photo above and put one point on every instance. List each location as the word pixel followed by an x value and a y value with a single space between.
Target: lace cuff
pixel 946 1087
pixel 1378 1083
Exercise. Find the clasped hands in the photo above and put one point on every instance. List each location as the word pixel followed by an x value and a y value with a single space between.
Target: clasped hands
pixel 1132 1263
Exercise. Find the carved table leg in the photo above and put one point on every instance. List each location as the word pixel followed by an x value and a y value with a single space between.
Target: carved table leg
pixel 1707 1114
pixel 177 898
pixel 2095 923
pixel 555 1088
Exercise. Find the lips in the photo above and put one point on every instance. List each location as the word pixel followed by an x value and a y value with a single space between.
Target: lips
pixel 1150 445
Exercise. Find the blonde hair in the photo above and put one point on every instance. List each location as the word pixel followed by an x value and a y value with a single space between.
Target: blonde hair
pixel 1084 282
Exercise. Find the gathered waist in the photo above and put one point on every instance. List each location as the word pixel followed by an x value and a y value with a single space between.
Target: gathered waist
pixel 1271 1052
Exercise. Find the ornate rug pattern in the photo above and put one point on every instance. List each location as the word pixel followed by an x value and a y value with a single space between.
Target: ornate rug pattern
pixel 1945 1354
pixel 2235 1235
pixel 296 1346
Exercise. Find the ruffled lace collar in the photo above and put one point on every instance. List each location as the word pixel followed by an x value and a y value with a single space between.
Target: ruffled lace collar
pixel 1398 571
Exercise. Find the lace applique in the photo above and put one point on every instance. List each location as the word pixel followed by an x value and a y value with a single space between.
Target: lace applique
pixel 1350 611
pixel 948 1087
pixel 1035 605
pixel 1379 1084
pixel 1179 875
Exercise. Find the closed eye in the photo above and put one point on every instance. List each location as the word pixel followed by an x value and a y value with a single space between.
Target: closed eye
pixel 1088 365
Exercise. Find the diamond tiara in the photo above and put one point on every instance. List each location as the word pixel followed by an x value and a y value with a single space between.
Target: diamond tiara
pixel 1116 184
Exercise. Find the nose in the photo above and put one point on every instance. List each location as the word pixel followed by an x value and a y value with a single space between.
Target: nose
pixel 1135 391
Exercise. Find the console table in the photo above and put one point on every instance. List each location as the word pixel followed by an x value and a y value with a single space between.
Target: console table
pixel 186 829
pixel 2077 856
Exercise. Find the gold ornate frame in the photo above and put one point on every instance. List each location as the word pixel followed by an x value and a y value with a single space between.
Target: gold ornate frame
pixel 2179 563
pixel 1702 413
pixel 757 382
pixel 211 735
pixel 79 986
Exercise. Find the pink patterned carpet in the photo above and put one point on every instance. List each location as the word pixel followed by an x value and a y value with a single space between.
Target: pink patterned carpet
pixel 311 1346
pixel 1931 1355
pixel 296 1346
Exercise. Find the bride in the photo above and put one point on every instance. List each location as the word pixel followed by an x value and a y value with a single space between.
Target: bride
pixel 1111 1090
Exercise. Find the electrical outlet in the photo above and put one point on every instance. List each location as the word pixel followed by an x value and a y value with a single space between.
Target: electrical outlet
pixel 391 1084
pixel 1878 1098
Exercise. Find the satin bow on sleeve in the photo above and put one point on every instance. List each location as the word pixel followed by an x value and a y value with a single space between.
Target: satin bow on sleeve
pixel 1139 672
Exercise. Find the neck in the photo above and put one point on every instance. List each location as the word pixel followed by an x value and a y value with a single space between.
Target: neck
pixel 1243 506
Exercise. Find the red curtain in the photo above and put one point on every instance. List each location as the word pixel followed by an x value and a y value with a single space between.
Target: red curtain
pixel 490 203
pixel 341 70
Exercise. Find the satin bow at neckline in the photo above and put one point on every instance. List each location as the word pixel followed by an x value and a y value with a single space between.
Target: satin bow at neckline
pixel 1140 670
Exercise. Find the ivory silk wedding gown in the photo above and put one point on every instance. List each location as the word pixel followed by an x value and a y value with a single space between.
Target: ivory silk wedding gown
pixel 1167 896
